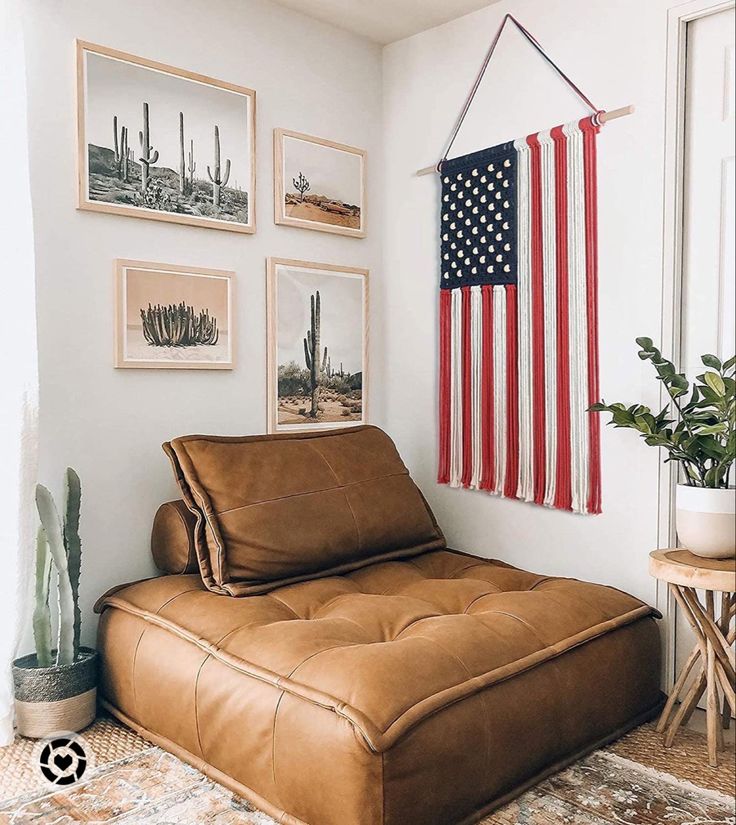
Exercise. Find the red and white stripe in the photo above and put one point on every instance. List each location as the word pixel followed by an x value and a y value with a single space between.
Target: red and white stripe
pixel 519 363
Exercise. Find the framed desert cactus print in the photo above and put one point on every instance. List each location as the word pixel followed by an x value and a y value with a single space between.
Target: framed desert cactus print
pixel 162 143
pixel 317 345
pixel 319 184
pixel 173 317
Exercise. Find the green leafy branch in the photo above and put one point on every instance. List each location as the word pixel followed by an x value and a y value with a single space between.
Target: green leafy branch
pixel 699 432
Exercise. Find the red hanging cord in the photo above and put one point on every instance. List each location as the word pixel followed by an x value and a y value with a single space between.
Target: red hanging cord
pixel 469 100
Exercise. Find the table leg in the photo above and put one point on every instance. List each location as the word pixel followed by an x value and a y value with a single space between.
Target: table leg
pixel 687 706
pixel 712 708
pixel 678 688
pixel 714 638
pixel 726 715
pixel 726 612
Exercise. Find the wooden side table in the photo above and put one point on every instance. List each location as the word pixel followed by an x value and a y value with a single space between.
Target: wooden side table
pixel 711 662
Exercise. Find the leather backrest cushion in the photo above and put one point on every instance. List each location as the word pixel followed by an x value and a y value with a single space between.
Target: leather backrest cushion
pixel 281 508
pixel 172 538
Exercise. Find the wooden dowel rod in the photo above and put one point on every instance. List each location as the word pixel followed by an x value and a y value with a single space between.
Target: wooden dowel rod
pixel 604 117
pixel 427 170
pixel 616 113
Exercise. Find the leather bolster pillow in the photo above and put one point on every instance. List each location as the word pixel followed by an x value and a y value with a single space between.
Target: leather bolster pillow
pixel 172 539
pixel 276 509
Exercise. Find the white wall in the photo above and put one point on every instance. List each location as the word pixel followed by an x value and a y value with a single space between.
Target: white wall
pixel 616 52
pixel 109 424
pixel 311 77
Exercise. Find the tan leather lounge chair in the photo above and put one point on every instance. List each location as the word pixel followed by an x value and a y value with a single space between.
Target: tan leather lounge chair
pixel 320 651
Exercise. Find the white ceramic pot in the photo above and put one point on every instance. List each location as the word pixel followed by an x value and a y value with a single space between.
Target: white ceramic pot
pixel 706 521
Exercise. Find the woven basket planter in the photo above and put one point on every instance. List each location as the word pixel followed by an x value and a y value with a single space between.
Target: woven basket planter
pixel 58 698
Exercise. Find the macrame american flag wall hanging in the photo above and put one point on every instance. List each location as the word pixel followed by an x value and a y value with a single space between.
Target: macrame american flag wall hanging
pixel 518 338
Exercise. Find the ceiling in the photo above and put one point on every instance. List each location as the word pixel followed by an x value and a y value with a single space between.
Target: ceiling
pixel 384 21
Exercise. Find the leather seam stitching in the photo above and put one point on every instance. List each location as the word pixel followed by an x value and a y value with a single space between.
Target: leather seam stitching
pixel 482 596
pixel 135 662
pixel 228 634
pixel 449 653
pixel 420 569
pixel 457 573
pixel 318 653
pixel 283 604
pixel 383 787
pixel 273 745
pixel 526 624
pixel 416 621
pixel 173 598
pixel 196 706
pixel 338 486
pixel 359 540
pixel 544 580
pixel 342 488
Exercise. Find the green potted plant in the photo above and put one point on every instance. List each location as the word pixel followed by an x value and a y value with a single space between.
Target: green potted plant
pixel 55 689
pixel 701 438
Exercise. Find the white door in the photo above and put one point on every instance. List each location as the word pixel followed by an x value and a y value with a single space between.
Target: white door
pixel 709 261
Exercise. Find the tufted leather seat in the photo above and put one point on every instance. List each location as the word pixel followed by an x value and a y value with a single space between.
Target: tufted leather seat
pixel 415 691
pixel 379 650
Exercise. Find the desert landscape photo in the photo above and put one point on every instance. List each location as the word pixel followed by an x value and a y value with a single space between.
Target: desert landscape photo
pixel 322 184
pixel 163 143
pixel 320 347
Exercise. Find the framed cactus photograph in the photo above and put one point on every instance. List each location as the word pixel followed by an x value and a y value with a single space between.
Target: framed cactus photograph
pixel 173 317
pixel 319 184
pixel 317 345
pixel 163 143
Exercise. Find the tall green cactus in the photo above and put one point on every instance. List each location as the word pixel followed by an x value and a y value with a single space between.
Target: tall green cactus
pixel 115 139
pixel 41 612
pixel 120 142
pixel 73 543
pixel 191 166
pixel 64 547
pixel 218 180
pixel 182 164
pixel 149 155
pixel 312 351
pixel 124 155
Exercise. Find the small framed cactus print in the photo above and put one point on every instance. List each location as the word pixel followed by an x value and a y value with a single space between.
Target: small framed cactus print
pixel 173 317
pixel 319 184
pixel 163 143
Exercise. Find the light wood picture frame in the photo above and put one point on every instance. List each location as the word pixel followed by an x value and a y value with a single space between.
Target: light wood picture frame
pixel 169 316
pixel 323 308
pixel 319 184
pixel 162 143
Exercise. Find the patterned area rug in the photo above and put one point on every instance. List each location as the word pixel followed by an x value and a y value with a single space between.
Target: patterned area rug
pixel 134 782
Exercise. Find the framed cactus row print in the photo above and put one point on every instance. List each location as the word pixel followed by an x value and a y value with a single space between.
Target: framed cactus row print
pixel 317 345
pixel 319 184
pixel 163 143
pixel 173 317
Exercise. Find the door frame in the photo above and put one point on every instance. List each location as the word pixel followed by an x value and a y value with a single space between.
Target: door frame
pixel 678 18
